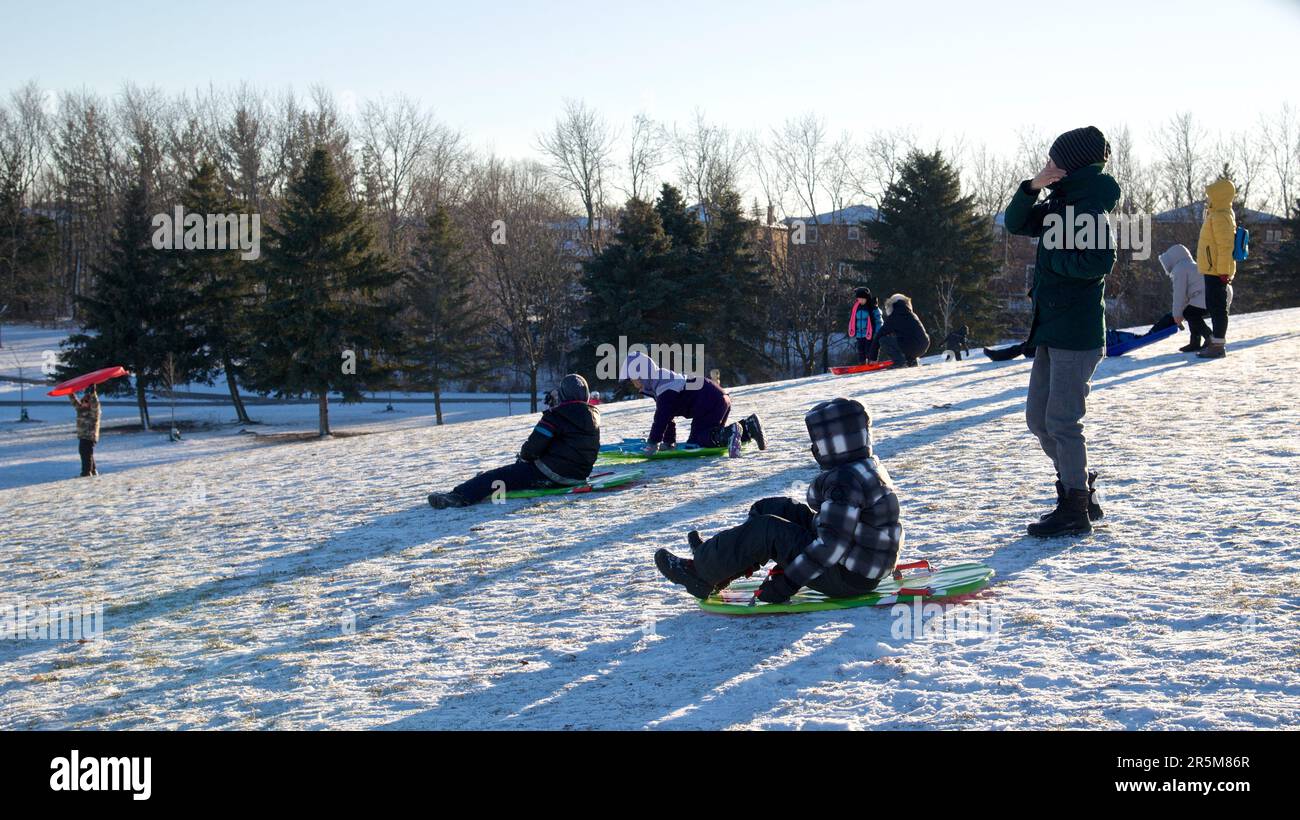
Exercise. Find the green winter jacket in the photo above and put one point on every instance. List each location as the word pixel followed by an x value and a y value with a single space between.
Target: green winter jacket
pixel 1070 268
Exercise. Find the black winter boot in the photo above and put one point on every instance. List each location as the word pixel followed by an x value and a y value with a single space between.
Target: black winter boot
pixel 682 571
pixel 1095 512
pixel 1069 518
pixel 753 429
pixel 441 501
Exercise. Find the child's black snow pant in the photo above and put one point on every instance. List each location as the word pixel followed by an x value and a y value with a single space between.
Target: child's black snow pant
pixel 777 529
pixel 521 475
pixel 86 449
pixel 864 347
pixel 1196 325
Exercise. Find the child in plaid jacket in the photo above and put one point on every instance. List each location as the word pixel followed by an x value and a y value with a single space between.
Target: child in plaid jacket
pixel 842 542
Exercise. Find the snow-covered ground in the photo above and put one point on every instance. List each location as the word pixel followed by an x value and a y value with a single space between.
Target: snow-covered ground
pixel 309 585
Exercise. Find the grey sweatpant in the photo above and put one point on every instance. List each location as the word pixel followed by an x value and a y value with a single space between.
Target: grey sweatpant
pixel 1058 400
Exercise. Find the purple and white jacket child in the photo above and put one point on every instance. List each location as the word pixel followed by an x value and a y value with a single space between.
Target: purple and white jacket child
pixel 678 396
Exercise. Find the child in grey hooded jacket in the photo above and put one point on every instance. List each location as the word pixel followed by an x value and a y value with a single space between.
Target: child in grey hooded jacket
pixel 1189 294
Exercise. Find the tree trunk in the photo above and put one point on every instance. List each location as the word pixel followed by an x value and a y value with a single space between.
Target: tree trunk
pixel 142 403
pixel 324 399
pixel 532 388
pixel 437 401
pixel 240 413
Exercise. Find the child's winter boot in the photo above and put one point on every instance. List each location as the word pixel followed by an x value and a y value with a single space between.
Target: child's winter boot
pixel 1216 349
pixel 441 501
pixel 682 571
pixel 754 430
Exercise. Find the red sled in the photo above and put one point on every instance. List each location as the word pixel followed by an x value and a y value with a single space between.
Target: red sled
pixel 860 368
pixel 86 380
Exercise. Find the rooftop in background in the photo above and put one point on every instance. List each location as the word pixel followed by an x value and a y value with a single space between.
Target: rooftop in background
pixel 1194 213
pixel 852 215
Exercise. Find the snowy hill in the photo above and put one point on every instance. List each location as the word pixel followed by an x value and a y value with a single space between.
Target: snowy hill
pixel 308 585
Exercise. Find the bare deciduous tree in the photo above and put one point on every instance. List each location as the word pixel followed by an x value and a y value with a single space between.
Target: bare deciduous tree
pixel 801 152
pixel 647 152
pixel 1180 142
pixel 511 213
pixel 709 160
pixel 1281 138
pixel 396 138
pixel 579 149
pixel 990 180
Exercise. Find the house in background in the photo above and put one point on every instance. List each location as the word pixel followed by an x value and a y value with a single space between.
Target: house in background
pixel 833 240
pixel 573 237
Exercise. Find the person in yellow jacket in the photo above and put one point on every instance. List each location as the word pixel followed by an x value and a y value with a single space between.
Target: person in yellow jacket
pixel 1215 262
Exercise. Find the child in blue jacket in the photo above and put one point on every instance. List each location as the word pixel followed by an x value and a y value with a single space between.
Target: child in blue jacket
pixel 864 324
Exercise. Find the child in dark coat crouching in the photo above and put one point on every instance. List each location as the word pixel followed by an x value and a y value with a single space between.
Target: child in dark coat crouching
pixel 902 338
pixel 841 543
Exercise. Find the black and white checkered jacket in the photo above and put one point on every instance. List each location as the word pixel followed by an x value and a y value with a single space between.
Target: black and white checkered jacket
pixel 857 523
pixel 856 510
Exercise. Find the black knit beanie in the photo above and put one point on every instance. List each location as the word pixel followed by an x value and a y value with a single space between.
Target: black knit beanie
pixel 1078 148
pixel 573 387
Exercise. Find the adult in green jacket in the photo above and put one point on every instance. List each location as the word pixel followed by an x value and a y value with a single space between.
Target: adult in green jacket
pixel 1068 331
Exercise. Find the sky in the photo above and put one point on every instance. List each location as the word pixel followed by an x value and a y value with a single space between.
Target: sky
pixel 500 71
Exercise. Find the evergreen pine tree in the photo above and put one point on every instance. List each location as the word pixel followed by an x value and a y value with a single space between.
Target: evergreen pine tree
pixel 932 245
pixel 628 292
pixel 223 284
pixel 446 329
pixel 684 274
pixel 136 312
pixel 735 328
pixel 325 323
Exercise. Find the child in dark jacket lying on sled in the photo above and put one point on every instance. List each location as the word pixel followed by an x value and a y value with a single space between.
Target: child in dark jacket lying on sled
pixel 560 452
pixel 841 543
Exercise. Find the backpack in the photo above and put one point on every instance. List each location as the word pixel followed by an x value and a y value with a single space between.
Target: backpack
pixel 1241 244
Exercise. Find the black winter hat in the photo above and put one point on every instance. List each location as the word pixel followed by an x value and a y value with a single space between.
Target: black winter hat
pixel 862 293
pixel 840 430
pixel 1079 148
pixel 573 387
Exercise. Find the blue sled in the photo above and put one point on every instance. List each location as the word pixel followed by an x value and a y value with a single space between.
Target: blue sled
pixel 1119 342
pixel 625 444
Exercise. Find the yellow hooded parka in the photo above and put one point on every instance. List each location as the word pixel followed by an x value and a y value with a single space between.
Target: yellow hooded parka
pixel 1218 231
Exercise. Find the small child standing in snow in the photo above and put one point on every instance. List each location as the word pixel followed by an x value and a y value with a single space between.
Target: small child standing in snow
pixel 87 428
pixel 560 452
pixel 864 324
pixel 1189 294
pixel 841 543
pixel 956 342
pixel 697 399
